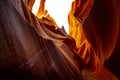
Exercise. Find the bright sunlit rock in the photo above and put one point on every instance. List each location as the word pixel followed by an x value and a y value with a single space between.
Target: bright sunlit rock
pixel 58 9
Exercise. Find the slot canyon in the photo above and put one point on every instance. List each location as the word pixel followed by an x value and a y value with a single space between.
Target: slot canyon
pixel 60 40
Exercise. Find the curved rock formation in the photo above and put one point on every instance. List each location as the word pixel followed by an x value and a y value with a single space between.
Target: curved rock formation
pixel 37 49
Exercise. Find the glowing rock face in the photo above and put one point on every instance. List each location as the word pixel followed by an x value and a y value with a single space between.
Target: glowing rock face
pixel 57 9
pixel 37 49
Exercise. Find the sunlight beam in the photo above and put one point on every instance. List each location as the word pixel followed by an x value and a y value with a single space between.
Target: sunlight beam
pixel 58 10
pixel 35 7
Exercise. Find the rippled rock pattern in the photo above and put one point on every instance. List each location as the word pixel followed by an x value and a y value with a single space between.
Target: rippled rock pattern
pixel 33 48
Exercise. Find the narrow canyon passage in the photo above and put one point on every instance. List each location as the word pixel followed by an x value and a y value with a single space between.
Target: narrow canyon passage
pixel 60 40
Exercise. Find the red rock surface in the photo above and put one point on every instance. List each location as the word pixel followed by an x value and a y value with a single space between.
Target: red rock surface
pixel 36 49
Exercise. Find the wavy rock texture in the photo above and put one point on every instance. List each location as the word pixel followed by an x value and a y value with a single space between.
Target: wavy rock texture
pixel 33 48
